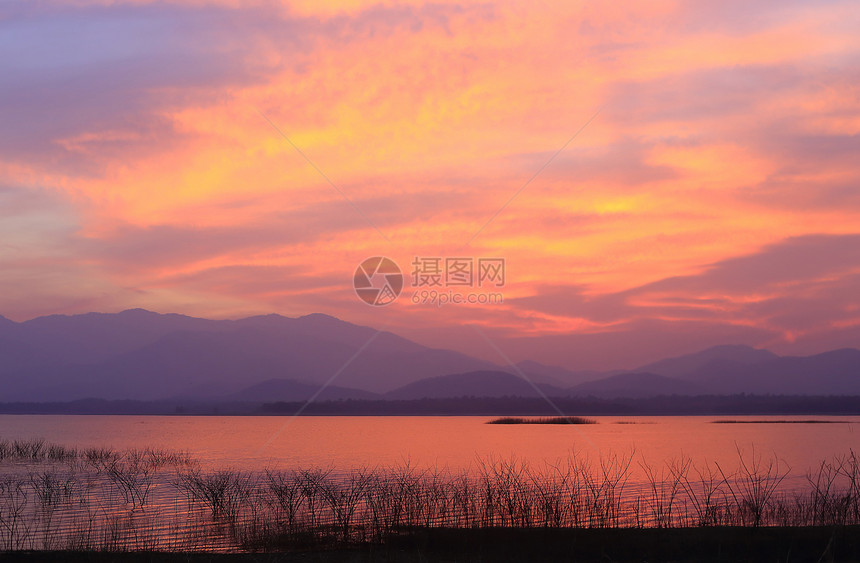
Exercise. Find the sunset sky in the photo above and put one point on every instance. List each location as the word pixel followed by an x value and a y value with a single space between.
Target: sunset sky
pixel 711 196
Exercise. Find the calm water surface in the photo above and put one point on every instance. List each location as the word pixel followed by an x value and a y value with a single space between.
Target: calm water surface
pixel 343 442
pixel 99 510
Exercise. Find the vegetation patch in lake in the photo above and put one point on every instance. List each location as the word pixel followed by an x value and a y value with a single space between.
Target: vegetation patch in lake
pixel 632 422
pixel 543 420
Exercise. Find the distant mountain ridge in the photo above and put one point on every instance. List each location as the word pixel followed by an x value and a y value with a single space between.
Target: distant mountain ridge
pixel 831 373
pixel 485 383
pixel 720 370
pixel 637 385
pixel 138 354
pixel 690 363
pixel 290 390
pixel 141 355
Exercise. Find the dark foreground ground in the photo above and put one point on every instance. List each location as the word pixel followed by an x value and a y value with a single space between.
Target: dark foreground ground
pixel 812 544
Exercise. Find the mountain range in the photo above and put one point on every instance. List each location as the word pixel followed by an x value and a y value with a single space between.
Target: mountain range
pixel 141 355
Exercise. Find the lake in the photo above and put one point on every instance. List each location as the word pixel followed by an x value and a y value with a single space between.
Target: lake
pixel 253 480
pixel 456 442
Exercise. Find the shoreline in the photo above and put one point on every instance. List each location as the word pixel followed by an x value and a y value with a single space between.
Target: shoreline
pixel 667 405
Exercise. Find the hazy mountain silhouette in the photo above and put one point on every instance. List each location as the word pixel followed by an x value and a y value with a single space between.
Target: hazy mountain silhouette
pixel 483 383
pixel 143 355
pixel 556 375
pixel 291 390
pixel 687 364
pixel 637 386
pixel 503 384
pixel 716 370
pixel 831 373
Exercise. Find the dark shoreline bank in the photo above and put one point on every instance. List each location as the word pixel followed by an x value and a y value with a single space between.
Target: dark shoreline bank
pixel 724 544
pixel 702 405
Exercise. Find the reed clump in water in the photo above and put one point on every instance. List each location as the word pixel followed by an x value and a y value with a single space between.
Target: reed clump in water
pixel 34 450
pixel 152 499
pixel 55 497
